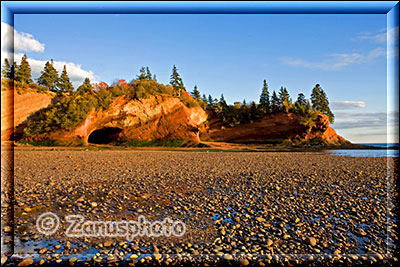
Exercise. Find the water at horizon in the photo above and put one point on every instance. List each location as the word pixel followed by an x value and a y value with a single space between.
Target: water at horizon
pixel 367 152
pixel 380 144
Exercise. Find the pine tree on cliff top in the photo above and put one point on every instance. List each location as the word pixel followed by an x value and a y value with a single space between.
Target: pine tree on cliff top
pixel 64 83
pixel 6 70
pixel 283 95
pixel 86 86
pixel 275 102
pixel 204 98
pixel 320 102
pixel 149 77
pixel 142 74
pixel 300 105
pixel 23 72
pixel 195 93
pixel 176 81
pixel 265 104
pixel 49 76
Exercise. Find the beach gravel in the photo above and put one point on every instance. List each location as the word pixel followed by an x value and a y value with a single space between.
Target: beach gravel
pixel 243 207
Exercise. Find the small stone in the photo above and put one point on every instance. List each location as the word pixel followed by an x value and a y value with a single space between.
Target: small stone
pixel 311 241
pixel 354 257
pixel 244 262
pixel 93 204
pixel 134 256
pixel 228 257
pixel 7 229
pixel 260 219
pixel 72 260
pixel 41 262
pixel 108 243
pixel 269 242
pixel 26 262
pixel 42 251
pixel 157 257
pixel 111 258
pixel 297 220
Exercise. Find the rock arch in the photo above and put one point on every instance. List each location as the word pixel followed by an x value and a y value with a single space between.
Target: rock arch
pixel 104 135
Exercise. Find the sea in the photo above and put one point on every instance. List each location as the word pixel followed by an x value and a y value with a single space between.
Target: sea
pixel 368 152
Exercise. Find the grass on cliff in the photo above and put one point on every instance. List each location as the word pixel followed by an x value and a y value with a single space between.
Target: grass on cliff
pixel 152 143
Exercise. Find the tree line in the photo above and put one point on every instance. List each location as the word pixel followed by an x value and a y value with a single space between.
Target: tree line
pixel 49 77
pixel 145 83
pixel 244 112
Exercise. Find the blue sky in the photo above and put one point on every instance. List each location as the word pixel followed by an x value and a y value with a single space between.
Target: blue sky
pixel 230 54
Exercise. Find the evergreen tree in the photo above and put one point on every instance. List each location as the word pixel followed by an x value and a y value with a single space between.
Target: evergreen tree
pixel 204 98
pixel 254 112
pixel 222 100
pixel 49 76
pixel 284 100
pixel 154 78
pixel 320 102
pixel 176 81
pixel 148 74
pixel 210 100
pixel 283 95
pixel 222 107
pixel 265 104
pixel 23 72
pixel 86 86
pixel 275 102
pixel 64 84
pixel 6 70
pixel 142 74
pixel 300 105
pixel 195 93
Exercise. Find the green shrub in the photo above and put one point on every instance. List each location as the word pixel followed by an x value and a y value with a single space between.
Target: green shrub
pixel 163 143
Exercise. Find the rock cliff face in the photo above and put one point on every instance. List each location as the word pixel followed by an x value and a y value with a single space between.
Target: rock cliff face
pixel 162 117
pixel 274 128
pixel 158 117
pixel 16 108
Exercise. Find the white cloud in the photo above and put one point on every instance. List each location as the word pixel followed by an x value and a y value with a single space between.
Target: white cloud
pixel 341 105
pixel 381 37
pixel 337 61
pixel 25 42
pixel 22 41
pixel 376 120
pixel 75 71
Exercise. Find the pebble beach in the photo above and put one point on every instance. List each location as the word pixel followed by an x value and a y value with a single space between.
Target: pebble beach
pixel 245 208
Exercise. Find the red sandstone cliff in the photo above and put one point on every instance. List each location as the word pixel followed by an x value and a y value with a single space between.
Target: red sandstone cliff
pixel 154 118
pixel 19 107
pixel 274 128
pixel 164 117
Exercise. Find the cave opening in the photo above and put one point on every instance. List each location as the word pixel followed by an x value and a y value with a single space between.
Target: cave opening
pixel 104 135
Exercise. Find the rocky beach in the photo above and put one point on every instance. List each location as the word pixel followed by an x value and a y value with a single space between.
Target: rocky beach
pixel 238 207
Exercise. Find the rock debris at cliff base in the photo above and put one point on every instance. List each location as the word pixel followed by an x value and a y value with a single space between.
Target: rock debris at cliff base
pixel 244 208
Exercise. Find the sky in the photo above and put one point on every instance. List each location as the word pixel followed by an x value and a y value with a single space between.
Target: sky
pixel 228 54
